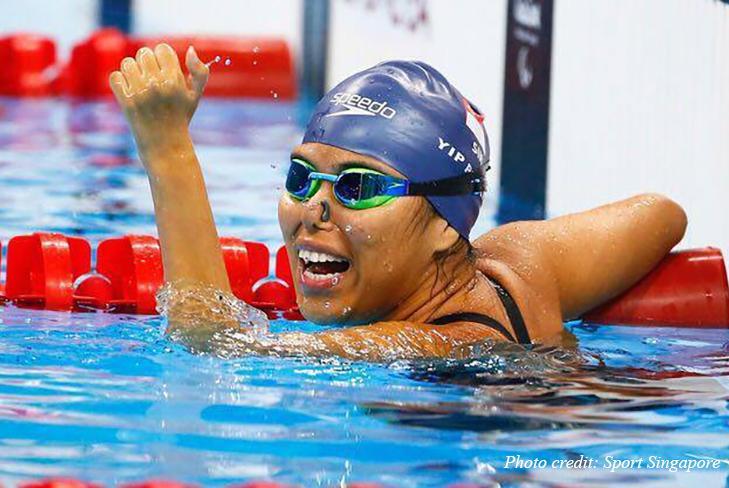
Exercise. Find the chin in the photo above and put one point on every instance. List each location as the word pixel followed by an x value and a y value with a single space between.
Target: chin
pixel 321 317
pixel 333 314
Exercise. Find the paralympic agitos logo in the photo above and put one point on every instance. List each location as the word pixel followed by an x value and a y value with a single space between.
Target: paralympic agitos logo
pixel 354 104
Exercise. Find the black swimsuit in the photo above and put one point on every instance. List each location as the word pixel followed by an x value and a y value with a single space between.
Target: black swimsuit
pixel 512 311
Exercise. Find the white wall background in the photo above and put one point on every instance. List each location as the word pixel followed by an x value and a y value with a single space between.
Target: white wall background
pixel 640 102
pixel 67 21
pixel 464 39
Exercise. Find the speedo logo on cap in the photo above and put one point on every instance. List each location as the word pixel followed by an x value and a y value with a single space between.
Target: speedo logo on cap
pixel 354 104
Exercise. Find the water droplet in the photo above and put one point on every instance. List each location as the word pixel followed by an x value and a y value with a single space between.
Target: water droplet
pixel 256 49
pixel 335 280
pixel 213 61
pixel 227 62
pixel 274 94
pixel 273 166
pixel 452 286
pixel 327 304
pixel 348 229
pixel 346 310
pixel 369 237
pixel 255 62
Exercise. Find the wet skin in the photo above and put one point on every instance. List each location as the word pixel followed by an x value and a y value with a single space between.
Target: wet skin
pixel 393 287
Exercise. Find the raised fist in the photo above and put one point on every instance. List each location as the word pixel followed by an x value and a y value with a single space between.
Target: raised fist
pixel 156 97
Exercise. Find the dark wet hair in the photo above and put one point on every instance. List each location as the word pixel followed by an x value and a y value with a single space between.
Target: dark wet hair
pixel 424 214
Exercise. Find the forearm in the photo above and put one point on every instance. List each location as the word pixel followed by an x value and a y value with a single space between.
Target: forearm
pixel 189 240
pixel 385 341
pixel 158 104
pixel 379 342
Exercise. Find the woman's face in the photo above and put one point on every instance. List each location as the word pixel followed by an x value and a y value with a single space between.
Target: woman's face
pixel 359 265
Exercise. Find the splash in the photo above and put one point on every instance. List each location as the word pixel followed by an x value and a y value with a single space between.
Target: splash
pixel 200 306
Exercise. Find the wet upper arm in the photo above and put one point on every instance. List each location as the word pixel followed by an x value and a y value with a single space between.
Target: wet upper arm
pixel 560 268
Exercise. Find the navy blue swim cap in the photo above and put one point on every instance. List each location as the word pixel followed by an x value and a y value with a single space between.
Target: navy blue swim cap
pixel 406 114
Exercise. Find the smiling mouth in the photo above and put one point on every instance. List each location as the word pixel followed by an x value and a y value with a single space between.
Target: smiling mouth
pixel 322 270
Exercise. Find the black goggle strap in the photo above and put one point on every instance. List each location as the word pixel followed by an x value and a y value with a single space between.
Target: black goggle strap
pixel 467 183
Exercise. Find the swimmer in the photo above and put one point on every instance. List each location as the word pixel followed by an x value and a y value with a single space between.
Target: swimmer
pixel 379 202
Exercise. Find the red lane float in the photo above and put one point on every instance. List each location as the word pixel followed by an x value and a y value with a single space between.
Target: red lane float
pixel 53 271
pixel 688 289
pixel 28 65
pixel 157 484
pixel 92 60
pixel 42 268
pixel 278 293
pixel 263 484
pixel 261 67
pixel 247 67
pixel 133 265
pixel 58 483
pixel 74 483
pixel 238 266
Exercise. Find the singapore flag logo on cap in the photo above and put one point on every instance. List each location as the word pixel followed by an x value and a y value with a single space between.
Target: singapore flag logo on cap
pixel 474 121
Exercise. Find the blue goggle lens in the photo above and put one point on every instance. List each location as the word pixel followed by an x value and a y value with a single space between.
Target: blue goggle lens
pixel 355 188
pixel 298 183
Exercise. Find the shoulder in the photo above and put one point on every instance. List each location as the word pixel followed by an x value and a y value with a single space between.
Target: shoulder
pixel 510 256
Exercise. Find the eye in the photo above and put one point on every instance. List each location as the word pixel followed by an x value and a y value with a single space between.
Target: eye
pixel 297 180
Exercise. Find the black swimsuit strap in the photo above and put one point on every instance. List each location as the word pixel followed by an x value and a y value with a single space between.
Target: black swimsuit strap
pixel 514 314
pixel 512 311
pixel 478 318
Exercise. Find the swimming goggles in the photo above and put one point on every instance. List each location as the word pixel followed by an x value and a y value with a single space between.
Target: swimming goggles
pixel 361 188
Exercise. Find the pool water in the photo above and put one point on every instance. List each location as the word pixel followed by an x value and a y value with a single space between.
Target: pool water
pixel 108 398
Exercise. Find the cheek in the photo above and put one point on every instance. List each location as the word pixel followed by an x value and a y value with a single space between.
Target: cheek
pixel 394 221
pixel 384 237
pixel 289 216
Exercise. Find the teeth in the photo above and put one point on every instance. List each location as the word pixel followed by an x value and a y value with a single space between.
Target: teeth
pixel 323 277
pixel 318 257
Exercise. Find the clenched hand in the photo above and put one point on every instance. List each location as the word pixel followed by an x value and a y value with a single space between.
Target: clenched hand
pixel 157 99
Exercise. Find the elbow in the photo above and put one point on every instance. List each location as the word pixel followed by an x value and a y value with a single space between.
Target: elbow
pixel 680 220
pixel 670 213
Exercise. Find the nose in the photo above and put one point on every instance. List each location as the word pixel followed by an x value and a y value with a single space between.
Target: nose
pixel 318 209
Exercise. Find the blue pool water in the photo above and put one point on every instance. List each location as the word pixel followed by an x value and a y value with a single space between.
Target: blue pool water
pixel 108 398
